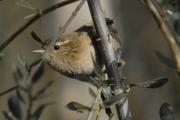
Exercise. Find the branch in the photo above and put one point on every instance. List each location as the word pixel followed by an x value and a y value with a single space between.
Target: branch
pixel 109 56
pixel 72 16
pixel 94 104
pixel 33 71
pixel 32 20
pixel 165 28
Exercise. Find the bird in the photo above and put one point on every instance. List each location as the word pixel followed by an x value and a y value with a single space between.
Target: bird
pixel 76 53
pixel 72 54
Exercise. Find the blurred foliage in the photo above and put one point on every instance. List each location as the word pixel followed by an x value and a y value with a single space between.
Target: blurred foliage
pixel 166 112
pixel 24 91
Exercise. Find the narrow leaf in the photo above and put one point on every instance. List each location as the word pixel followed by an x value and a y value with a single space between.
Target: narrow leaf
pixel 37 113
pixel 177 26
pixel 92 93
pixel 43 90
pixel 77 107
pixel 22 61
pixel 7 115
pixel 17 74
pixel 166 112
pixel 20 94
pixel 39 72
pixel 166 60
pixel 178 73
pixel 96 82
pixel 36 37
pixel 14 107
pixel 155 83
pixel 114 100
pixel 1 56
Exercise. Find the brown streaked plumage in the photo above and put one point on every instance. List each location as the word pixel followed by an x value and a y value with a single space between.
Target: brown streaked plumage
pixel 72 54
pixel 75 54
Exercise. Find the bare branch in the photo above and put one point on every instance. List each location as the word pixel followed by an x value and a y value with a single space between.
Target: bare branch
pixel 109 56
pixel 33 19
pixel 95 103
pixel 165 28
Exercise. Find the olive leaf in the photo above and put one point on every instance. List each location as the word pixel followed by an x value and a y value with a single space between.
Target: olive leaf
pixel 19 78
pixel 155 83
pixel 20 94
pixel 115 99
pixel 37 64
pixel 37 113
pixel 17 74
pixel 7 115
pixel 177 26
pixel 14 107
pixel 92 93
pixel 1 56
pixel 36 37
pixel 75 106
pixel 43 90
pixel 166 60
pixel 178 73
pixel 164 3
pixel 166 112
pixel 96 82
pixel 22 61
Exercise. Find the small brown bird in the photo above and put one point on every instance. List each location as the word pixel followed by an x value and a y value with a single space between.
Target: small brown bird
pixel 76 53
pixel 72 54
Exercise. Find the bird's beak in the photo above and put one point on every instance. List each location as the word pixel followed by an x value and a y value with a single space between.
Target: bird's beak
pixel 39 51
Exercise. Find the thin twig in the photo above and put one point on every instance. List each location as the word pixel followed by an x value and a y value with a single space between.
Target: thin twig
pixel 109 56
pixel 33 19
pixel 95 103
pixel 53 40
pixel 9 90
pixel 35 68
pixel 72 16
pixel 165 28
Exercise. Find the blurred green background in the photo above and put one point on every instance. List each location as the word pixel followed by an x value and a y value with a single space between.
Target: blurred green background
pixel 141 38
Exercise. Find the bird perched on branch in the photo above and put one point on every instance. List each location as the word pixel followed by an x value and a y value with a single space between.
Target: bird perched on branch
pixel 76 53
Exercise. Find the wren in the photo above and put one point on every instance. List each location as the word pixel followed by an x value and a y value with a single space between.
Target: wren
pixel 76 53
pixel 72 54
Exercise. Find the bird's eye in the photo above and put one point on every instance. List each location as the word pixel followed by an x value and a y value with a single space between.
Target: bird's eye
pixel 56 47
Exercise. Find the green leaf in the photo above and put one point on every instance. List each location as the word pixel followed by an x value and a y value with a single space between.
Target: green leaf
pixel 1 56
pixel 38 112
pixel 166 60
pixel 36 37
pixel 96 82
pixel 106 93
pixel 92 93
pixel 39 72
pixel 22 61
pixel 164 3
pixel 42 91
pixel 114 100
pixel 7 115
pixel 178 73
pixel 17 74
pixel 20 94
pixel 166 112
pixel 155 83
pixel 75 106
pixel 14 107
